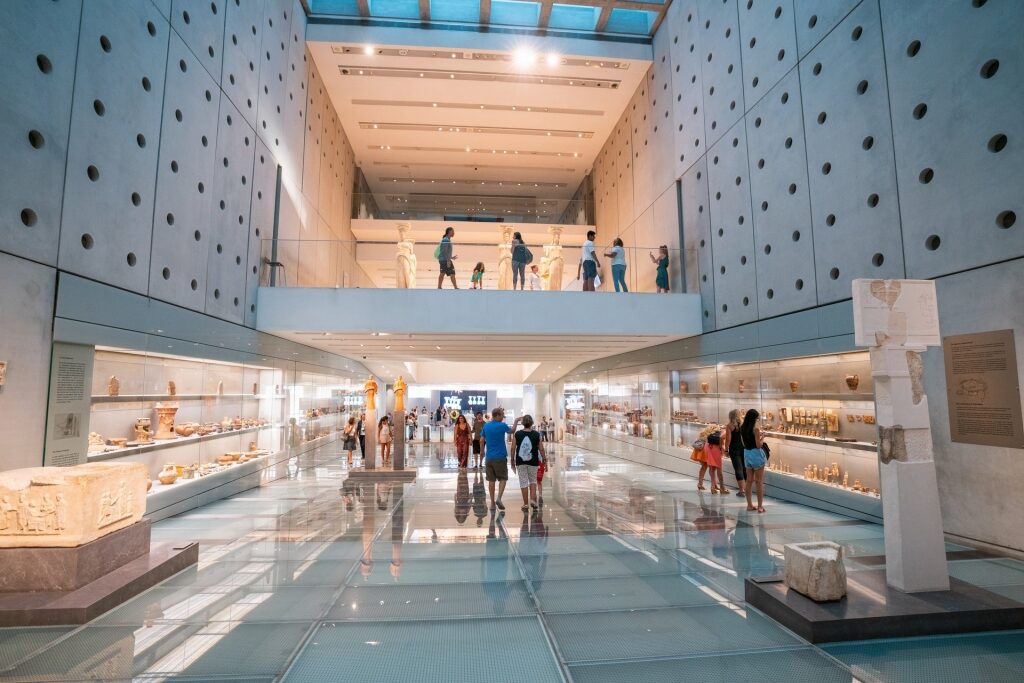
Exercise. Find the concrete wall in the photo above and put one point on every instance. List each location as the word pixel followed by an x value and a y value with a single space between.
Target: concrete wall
pixel 156 130
pixel 818 141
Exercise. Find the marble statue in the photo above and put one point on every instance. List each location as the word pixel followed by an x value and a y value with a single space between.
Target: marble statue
pixel 61 507
pixel 172 388
pixel 113 386
pixel 556 262
pixel 399 389
pixel 505 258
pixel 405 260
pixel 371 387
pixel 165 421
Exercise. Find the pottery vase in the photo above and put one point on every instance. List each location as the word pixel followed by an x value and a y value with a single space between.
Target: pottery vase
pixel 165 421
pixel 853 381
pixel 168 475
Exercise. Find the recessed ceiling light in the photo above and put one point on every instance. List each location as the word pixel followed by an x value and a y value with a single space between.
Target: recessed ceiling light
pixel 553 59
pixel 368 50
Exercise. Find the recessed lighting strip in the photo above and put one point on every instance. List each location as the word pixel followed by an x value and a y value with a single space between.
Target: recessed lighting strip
pixel 473 150
pixel 486 130
pixel 449 181
pixel 434 164
pixel 478 106
pixel 483 76
pixel 499 57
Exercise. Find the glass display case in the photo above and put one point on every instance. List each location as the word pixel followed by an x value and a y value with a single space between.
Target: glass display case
pixel 625 406
pixel 187 419
pixel 817 413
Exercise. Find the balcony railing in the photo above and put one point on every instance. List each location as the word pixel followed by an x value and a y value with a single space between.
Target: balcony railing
pixel 369 264
pixel 443 200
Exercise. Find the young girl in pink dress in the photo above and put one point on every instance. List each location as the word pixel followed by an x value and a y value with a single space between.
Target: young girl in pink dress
pixel 713 453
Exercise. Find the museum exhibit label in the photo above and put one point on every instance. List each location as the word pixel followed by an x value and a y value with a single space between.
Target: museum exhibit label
pixel 983 389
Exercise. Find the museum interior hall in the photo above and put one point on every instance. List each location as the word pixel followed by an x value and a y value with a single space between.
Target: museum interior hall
pixel 500 340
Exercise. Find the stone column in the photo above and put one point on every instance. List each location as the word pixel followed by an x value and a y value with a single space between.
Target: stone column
pixel 370 461
pixel 398 445
pixel 897 320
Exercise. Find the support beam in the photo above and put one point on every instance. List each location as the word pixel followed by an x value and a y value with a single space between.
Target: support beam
pixel 364 8
pixel 424 10
pixel 602 21
pixel 485 12
pixel 545 14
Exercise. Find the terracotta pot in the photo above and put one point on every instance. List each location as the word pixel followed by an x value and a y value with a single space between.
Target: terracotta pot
pixel 168 475
pixel 853 381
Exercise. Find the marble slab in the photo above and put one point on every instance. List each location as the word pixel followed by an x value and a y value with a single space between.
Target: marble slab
pixel 64 569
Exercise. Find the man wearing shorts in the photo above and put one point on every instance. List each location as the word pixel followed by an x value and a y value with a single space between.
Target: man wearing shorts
pixel 492 441
pixel 587 269
pixel 528 453
pixel 445 258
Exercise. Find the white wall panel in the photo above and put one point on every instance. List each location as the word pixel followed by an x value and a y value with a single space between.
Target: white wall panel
pixel 768 40
pixel 683 25
pixel 312 154
pixel 721 68
pixel 732 233
pixel 662 134
pixel 815 18
pixel 229 244
pixel 273 64
pixel 112 153
pixel 261 226
pixel 640 141
pixel 697 244
pixel 854 204
pixel 240 76
pixel 961 200
pixel 294 110
pixel 200 23
pixel 783 241
pixel 38 44
pixel 185 187
pixel 624 171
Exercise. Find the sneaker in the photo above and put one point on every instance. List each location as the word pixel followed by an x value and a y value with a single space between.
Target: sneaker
pixel 501 506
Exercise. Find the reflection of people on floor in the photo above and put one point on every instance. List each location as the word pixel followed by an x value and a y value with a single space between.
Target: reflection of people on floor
pixel 349 494
pixel 494 568
pixel 533 542
pixel 462 497
pixel 397 536
pixel 750 550
pixel 712 523
pixel 479 498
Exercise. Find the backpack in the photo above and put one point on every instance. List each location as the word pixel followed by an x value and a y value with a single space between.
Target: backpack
pixel 437 251
pixel 525 452
pixel 529 256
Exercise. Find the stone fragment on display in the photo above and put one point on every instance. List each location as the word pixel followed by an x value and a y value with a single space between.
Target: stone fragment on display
pixel 48 507
pixel 816 570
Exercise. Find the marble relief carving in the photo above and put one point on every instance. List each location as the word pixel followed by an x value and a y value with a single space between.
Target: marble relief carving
pixel 113 386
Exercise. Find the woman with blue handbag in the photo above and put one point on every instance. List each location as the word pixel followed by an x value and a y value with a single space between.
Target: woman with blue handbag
pixel 754 458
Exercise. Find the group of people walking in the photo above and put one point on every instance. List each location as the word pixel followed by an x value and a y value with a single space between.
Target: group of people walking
pixel 587 272
pixel 743 441
pixel 354 433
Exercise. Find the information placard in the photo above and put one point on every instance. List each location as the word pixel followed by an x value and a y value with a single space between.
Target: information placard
pixel 983 389
pixel 67 418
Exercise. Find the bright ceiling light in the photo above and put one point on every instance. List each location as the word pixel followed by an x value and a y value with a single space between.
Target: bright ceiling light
pixel 553 59
pixel 368 50
pixel 524 57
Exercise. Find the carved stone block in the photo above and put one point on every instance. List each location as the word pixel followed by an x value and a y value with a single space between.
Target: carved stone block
pixel 62 507
pixel 816 570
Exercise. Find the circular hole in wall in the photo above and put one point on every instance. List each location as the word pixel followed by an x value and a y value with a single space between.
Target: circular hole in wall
pixel 220 249
pixel 789 143
pixel 201 188
pixel 877 260
pixel 44 63
pixel 764 206
pixel 792 188
pixel 778 12
pixel 236 301
pixel 166 273
pixel 197 235
pixel 796 235
pixel 93 173
pixel 821 118
pixel 136 199
pixel 1006 219
pixel 151 27
pixel 785 97
pixel 834 273
pixel 830 219
pixel 932 242
pixel 767 249
pixel 743 260
pixel 177 115
pixel 989 68
pixel 170 219
pixel 868 142
pixel 760 163
pixel 799 284
pixel 813 21
pixel 872 200
pixel 35 138
pixel 140 140
pixel 182 65
pixel 770 293
pixel 978 3
pixel 746 301
pixel 131 259
pixel 862 87
pixel 105 44
pixel 99 107
pixel 87 241
pixel 926 176
pixel 146 85
pixel 174 166
pixel 29 218
pixel 913 48
pixel 781 55
pixel 826 168
pixel 857 32
pixel 194 285
pixel 920 110
pixel 755 81
pixel 216 294
pixel 186 17
pixel 816 69
pixel 725 308
pixel 996 143
pixel 722 270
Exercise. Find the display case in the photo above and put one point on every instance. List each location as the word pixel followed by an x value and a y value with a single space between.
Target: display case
pixel 188 419
pixel 625 406
pixel 817 413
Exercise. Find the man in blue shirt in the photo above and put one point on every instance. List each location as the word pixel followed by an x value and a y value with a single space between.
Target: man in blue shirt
pixel 445 258
pixel 492 441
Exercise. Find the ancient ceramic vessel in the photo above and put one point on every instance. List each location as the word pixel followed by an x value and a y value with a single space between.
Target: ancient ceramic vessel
pixel 142 430
pixel 113 386
pixel 853 381
pixel 705 386
pixel 165 421
pixel 168 475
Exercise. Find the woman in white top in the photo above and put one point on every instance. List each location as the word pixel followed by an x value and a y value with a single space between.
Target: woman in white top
pixel 618 256
pixel 385 436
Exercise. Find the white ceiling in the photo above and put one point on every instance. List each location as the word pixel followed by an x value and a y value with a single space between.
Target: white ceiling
pixel 517 127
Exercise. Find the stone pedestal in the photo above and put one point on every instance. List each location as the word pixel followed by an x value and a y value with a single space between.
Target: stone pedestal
pixel 398 445
pixel 915 549
pixel 370 460
pixel 816 570
pixel 65 507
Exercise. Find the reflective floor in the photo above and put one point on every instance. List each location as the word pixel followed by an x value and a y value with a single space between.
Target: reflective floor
pixel 627 574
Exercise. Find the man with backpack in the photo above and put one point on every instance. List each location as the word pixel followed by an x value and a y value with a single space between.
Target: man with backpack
pixel 445 258
pixel 529 453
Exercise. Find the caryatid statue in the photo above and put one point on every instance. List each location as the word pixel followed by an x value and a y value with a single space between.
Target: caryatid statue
pixel 371 388
pixel 405 259
pixel 399 389
pixel 556 262
pixel 505 258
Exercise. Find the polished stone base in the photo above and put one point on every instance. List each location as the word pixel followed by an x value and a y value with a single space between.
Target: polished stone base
pixel 52 608
pixel 406 475
pixel 65 569
pixel 871 609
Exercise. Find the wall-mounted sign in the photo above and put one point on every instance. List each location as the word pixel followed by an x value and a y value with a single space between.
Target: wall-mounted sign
pixel 983 390
pixel 574 402
pixel 469 401
pixel 67 418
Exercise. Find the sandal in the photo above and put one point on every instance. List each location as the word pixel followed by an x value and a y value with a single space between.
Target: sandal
pixel 761 510
pixel 525 508
pixel 751 509
pixel 700 487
